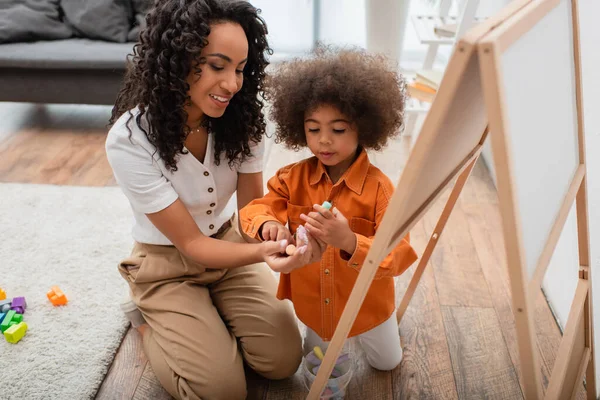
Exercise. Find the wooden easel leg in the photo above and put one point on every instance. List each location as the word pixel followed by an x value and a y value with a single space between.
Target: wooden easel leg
pixel 584 262
pixel 433 240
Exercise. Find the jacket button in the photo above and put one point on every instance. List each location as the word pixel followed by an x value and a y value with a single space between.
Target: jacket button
pixel 211 226
pixel 326 271
pixel 210 190
pixel 206 173
pixel 209 212
pixel 355 264
pixel 327 301
pixel 212 204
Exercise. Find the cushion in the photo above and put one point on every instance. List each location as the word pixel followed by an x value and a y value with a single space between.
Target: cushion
pixel 28 20
pixel 140 8
pixel 99 19
pixel 66 54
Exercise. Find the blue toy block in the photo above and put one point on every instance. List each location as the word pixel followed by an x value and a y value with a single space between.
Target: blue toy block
pixel 5 306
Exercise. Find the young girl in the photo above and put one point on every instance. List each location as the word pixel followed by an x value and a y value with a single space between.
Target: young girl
pixel 186 136
pixel 338 104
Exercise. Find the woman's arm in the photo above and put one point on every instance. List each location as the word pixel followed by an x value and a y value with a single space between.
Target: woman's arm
pixel 176 223
pixel 249 187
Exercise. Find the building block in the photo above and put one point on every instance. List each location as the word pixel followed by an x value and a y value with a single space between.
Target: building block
pixel 11 318
pixel 19 305
pixel 2 315
pixel 2 294
pixel 15 332
pixel 5 306
pixel 56 296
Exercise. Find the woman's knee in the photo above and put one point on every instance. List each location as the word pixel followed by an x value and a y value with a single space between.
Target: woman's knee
pixel 278 354
pixel 196 377
pixel 219 386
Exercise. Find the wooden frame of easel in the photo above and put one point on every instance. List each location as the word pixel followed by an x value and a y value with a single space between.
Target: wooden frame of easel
pixel 477 57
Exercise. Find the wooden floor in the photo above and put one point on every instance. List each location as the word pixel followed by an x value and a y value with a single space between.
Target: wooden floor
pixel 458 333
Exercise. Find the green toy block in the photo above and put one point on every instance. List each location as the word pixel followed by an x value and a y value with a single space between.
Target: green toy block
pixel 15 332
pixel 12 318
pixel 326 205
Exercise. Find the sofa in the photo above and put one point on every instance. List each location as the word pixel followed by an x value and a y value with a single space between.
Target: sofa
pixel 66 51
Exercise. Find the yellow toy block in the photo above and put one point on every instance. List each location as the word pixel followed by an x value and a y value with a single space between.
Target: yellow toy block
pixel 2 294
pixel 15 332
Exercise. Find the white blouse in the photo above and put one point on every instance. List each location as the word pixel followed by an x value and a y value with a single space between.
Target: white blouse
pixel 205 188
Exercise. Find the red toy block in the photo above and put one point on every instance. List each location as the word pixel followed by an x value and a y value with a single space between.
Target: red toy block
pixel 56 296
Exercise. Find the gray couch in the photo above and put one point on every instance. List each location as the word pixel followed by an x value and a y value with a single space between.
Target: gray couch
pixel 66 51
pixel 77 71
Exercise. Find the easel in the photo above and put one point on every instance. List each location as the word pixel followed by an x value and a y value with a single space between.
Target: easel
pixel 472 96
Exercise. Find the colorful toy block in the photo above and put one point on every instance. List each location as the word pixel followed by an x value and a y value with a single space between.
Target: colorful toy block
pixel 11 318
pixel 56 296
pixel 5 306
pixel 15 332
pixel 2 294
pixel 19 305
pixel 2 315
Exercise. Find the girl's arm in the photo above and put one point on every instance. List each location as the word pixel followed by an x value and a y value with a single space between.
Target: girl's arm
pixel 397 261
pixel 332 227
pixel 271 207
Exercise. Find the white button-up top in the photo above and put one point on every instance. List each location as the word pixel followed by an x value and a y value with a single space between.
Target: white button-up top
pixel 205 188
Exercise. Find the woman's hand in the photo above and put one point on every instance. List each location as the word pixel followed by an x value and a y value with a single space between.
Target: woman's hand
pixel 273 230
pixel 309 251
pixel 278 261
pixel 330 227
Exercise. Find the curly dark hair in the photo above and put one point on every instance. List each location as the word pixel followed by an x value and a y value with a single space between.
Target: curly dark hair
pixel 360 85
pixel 168 49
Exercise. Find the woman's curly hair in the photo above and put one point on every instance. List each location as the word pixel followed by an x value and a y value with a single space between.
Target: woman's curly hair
pixel 360 85
pixel 168 49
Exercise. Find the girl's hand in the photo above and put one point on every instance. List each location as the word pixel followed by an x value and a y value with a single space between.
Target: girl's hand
pixel 330 227
pixel 273 230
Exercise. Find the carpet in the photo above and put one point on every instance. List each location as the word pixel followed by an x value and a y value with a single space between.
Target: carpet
pixel 72 237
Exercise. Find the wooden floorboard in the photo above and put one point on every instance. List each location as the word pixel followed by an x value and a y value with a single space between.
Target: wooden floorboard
pixel 126 370
pixel 480 361
pixel 460 315
pixel 426 369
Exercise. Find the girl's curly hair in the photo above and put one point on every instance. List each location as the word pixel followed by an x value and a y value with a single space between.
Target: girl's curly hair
pixel 361 85
pixel 168 49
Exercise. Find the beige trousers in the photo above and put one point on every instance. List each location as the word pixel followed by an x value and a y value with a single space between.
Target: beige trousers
pixel 205 323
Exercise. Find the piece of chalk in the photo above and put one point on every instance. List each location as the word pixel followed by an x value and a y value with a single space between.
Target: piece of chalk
pixel 326 205
pixel 311 358
pixel 290 249
pixel 318 352
pixel 334 374
pixel 342 358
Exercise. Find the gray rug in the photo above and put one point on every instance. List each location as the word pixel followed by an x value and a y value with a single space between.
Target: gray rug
pixel 72 237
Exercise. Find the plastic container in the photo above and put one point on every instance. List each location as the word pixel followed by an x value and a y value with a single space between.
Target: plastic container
pixel 336 387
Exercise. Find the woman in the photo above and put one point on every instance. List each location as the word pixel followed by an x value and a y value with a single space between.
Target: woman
pixel 186 136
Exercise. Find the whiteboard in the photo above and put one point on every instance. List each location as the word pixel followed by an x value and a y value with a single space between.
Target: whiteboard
pixel 451 131
pixel 538 79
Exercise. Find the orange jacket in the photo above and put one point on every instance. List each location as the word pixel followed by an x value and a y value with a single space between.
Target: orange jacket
pixel 320 290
